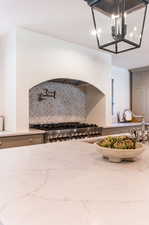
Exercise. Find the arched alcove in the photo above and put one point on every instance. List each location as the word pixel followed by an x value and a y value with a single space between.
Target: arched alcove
pixel 69 100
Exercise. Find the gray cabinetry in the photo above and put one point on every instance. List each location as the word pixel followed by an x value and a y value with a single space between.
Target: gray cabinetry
pixel 21 140
pixel 117 130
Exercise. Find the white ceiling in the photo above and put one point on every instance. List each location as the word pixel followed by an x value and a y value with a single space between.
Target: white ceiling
pixel 69 20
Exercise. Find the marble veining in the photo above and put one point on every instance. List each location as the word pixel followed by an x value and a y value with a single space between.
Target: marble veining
pixel 70 184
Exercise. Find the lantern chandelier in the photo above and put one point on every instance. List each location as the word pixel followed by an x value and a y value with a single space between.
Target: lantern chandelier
pixel 118 24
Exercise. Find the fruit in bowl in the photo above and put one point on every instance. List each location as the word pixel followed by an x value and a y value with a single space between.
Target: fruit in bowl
pixel 118 148
pixel 118 142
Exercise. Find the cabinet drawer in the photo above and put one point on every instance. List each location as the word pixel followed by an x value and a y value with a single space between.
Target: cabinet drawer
pixel 16 141
pixel 117 130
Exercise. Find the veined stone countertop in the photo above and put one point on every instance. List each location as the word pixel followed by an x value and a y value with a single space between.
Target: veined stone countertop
pixel 114 125
pixel 70 184
pixel 17 133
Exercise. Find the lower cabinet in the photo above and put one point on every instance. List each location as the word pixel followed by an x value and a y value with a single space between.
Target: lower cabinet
pixel 117 130
pixel 21 140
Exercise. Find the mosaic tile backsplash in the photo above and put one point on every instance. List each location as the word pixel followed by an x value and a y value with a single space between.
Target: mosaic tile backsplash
pixel 68 106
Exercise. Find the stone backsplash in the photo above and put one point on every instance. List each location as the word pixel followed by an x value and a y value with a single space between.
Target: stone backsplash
pixel 68 106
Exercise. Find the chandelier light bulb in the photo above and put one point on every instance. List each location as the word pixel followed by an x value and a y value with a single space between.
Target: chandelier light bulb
pixel 131 35
pixel 99 31
pixel 93 32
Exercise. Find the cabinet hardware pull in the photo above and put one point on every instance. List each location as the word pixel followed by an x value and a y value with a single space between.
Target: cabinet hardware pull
pixel 31 139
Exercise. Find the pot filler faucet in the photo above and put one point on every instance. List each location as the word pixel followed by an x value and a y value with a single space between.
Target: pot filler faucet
pixel 140 134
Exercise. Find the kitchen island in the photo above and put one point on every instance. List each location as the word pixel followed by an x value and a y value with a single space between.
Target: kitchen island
pixel 70 184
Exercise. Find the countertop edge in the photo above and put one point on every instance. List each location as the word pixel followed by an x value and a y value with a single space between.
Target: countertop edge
pixel 21 133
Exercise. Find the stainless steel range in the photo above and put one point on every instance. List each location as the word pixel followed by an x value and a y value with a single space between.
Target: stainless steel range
pixel 68 131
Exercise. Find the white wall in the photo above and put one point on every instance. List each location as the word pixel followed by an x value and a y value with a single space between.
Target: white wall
pixel 94 100
pixel 41 58
pixel 1 80
pixel 31 58
pixel 121 88
pixel 8 73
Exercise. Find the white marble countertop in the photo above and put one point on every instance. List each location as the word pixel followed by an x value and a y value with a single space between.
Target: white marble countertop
pixel 17 133
pixel 70 184
pixel 128 124
pixel 123 125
